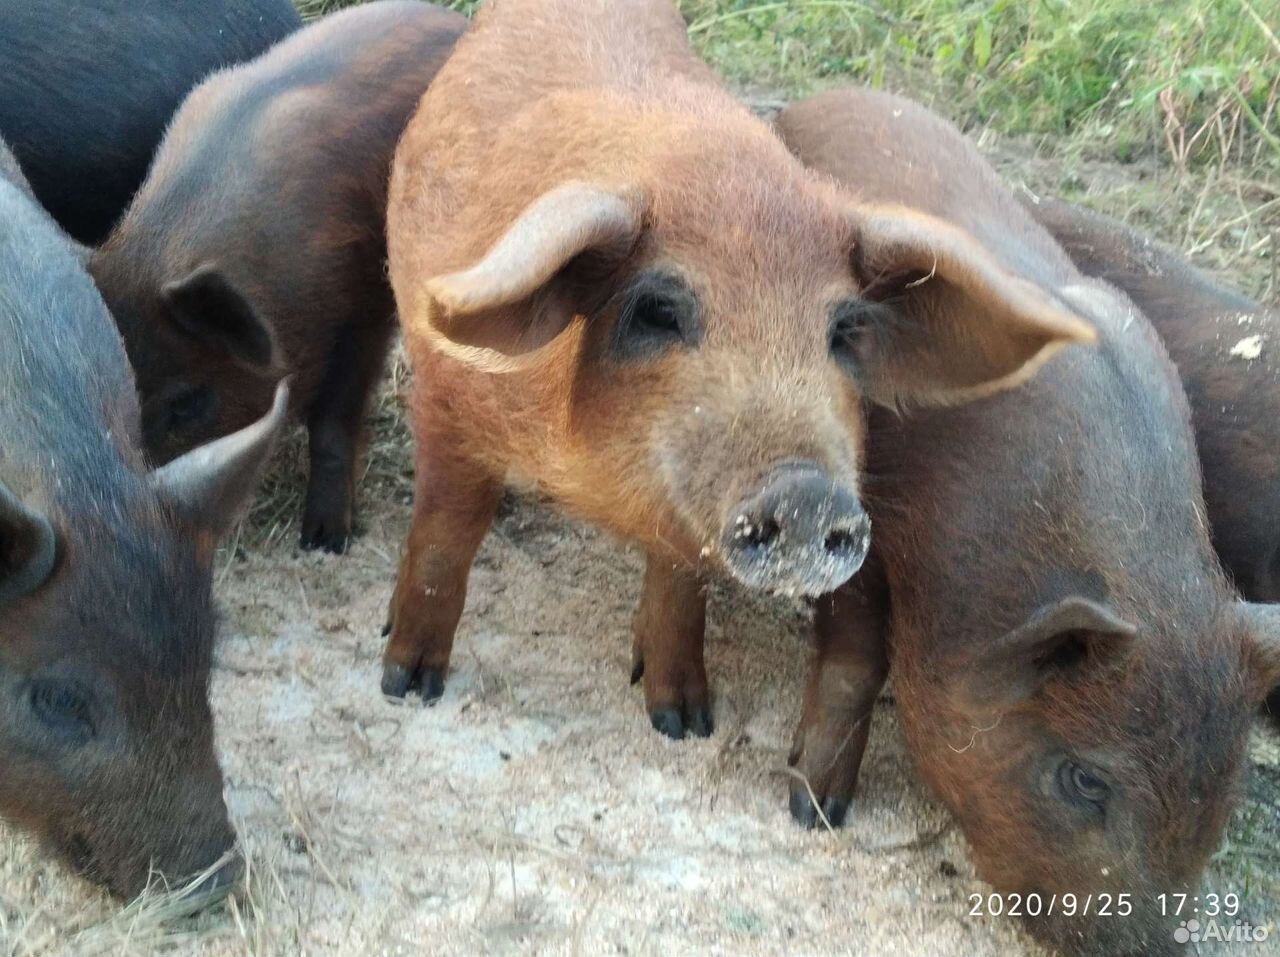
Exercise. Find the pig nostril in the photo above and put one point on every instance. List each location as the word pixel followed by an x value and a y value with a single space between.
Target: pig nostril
pixel 840 540
pixel 757 534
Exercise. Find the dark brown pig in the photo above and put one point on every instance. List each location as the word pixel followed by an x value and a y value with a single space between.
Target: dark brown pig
pixel 256 246
pixel 1074 673
pixel 1224 345
pixel 617 284
pixel 106 619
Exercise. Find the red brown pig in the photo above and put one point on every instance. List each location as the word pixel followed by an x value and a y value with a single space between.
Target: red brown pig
pixel 106 618
pixel 1073 671
pixel 256 246
pixel 1224 345
pixel 617 284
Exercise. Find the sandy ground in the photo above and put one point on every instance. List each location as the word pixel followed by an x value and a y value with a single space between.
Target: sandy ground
pixel 533 811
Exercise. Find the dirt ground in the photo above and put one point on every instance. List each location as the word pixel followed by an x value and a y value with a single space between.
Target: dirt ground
pixel 533 811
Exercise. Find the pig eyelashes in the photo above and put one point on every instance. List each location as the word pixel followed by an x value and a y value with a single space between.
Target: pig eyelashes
pixel 1082 787
pixel 655 312
pixel 855 328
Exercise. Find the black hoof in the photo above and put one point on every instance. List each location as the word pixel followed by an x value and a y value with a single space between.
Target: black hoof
pixel 701 724
pixel 637 671
pixel 396 680
pixel 806 815
pixel 386 630
pixel 320 540
pixel 432 687
pixel 668 721
pixel 836 811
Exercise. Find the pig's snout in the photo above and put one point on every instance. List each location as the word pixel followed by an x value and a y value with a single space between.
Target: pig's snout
pixel 801 533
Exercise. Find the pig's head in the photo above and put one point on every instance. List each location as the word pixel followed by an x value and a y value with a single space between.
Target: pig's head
pixel 205 362
pixel 106 637
pixel 706 330
pixel 1095 751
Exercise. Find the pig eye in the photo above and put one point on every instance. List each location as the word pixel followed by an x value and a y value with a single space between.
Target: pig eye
pixel 1082 785
pixel 178 414
pixel 657 311
pixel 63 708
pixel 855 327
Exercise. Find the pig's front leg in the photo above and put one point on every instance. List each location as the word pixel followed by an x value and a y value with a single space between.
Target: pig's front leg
pixel 669 628
pixel 453 507
pixel 848 670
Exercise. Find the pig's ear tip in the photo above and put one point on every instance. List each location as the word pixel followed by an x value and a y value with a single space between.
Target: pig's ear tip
pixel 448 292
pixel 1083 333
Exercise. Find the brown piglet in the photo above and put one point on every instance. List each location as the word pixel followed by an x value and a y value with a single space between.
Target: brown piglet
pixel 256 246
pixel 616 284
pixel 1224 345
pixel 1074 673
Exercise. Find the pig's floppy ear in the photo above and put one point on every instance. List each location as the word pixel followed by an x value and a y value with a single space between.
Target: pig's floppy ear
pixel 1054 640
pixel 207 307
pixel 28 548
pixel 1262 624
pixel 953 324
pixel 497 312
pixel 209 485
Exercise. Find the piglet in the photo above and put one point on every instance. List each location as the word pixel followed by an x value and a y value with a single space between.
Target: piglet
pixel 256 247
pixel 616 284
pixel 1074 673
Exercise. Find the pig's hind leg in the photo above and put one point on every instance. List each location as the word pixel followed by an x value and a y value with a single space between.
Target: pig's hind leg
pixel 669 628
pixel 454 504
pixel 334 429
pixel 849 667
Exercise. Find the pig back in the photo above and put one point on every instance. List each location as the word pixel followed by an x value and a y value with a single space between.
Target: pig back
pixel 68 404
pixel 1225 348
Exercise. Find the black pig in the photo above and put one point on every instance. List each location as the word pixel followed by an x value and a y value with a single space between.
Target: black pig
pixel 106 620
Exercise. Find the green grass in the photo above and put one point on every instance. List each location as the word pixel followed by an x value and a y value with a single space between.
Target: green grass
pixel 1114 72
pixel 1112 69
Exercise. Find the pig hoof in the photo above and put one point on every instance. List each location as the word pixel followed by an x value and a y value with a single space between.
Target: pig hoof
pixel 386 630
pixel 701 724
pixel 806 815
pixel 432 686
pixel 396 680
pixel 318 538
pixel 668 721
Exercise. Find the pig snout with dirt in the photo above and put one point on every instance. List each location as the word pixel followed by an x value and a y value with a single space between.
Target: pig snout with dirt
pixel 1074 674
pixel 106 621
pixel 616 283
pixel 87 89
pixel 257 247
